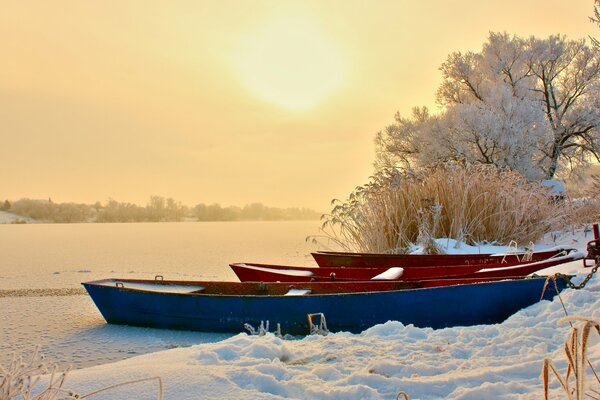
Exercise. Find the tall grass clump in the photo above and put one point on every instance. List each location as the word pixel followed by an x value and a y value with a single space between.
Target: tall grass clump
pixel 472 204
pixel 588 205
pixel 583 199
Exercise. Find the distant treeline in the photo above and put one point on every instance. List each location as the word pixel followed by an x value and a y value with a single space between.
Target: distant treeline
pixel 158 209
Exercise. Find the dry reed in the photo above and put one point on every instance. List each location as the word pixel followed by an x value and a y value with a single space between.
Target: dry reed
pixel 587 206
pixel 22 380
pixel 574 382
pixel 472 204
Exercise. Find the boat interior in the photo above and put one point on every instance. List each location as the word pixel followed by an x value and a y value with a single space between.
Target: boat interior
pixel 272 288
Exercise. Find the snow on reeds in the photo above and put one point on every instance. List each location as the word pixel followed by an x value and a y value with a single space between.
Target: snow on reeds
pixel 472 204
pixel 34 380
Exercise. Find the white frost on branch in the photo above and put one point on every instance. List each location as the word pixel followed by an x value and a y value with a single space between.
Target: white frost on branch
pixel 530 105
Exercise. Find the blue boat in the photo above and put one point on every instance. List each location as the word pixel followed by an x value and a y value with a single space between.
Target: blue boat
pixel 348 306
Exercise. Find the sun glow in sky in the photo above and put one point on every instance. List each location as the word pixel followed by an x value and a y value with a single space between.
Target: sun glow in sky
pixel 290 62
pixel 227 102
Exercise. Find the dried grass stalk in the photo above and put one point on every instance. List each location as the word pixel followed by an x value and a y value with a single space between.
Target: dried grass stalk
pixel 577 361
pixel 21 380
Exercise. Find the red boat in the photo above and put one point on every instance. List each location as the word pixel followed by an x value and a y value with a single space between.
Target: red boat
pixel 281 273
pixel 332 259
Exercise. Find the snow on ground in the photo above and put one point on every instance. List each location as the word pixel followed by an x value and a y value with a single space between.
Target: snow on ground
pixel 480 362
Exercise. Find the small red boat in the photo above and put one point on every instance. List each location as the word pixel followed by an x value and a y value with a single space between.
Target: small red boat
pixel 281 273
pixel 332 259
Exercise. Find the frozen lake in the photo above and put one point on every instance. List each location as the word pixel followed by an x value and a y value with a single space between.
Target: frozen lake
pixel 45 263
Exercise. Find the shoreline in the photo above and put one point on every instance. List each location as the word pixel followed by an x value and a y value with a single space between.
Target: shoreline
pixel 8 218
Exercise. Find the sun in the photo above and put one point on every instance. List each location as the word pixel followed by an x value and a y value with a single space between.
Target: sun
pixel 290 62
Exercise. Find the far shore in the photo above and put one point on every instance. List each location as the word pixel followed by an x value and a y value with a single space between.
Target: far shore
pixel 11 218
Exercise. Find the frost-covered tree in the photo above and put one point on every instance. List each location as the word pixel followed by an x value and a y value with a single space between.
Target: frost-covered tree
pixel 530 105
pixel 596 19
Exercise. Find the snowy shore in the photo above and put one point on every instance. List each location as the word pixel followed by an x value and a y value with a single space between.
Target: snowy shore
pixel 479 362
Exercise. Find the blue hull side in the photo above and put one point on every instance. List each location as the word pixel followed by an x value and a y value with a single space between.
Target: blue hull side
pixel 440 307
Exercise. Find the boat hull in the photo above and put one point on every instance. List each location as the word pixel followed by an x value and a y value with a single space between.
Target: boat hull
pixel 330 259
pixel 248 272
pixel 440 307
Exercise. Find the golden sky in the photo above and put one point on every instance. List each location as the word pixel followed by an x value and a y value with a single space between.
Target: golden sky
pixel 227 101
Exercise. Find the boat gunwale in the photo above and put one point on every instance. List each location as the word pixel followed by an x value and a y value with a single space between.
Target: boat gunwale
pixel 452 255
pixel 291 285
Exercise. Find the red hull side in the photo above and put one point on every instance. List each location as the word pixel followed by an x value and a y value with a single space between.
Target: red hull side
pixel 367 260
pixel 360 285
pixel 523 269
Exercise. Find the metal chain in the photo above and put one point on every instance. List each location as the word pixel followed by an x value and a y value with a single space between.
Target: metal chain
pixel 571 285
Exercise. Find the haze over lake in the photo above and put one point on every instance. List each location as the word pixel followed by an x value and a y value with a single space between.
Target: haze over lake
pixel 62 255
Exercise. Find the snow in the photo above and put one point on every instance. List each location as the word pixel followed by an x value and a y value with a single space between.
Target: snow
pixel 555 186
pixel 392 273
pixel 297 292
pixel 152 287
pixel 477 362
pixel 452 246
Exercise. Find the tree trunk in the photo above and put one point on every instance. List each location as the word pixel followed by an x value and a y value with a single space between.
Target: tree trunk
pixel 556 150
